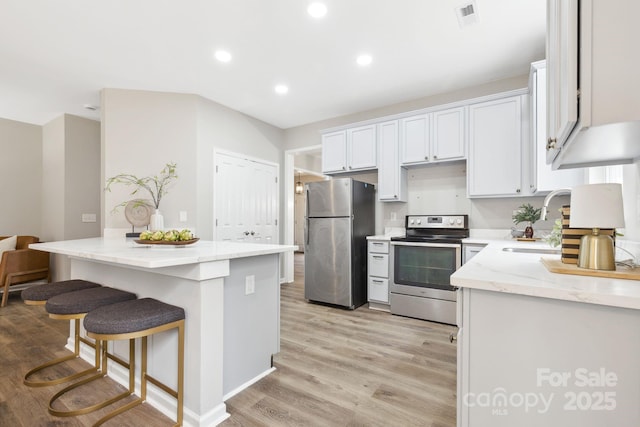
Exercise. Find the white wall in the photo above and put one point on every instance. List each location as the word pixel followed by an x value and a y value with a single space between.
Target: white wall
pixel 21 177
pixel 142 131
pixel 82 177
pixel 53 180
pixel 222 128
pixel 70 183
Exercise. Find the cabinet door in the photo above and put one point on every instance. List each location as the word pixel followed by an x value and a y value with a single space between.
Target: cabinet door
pixel 495 145
pixel 562 57
pixel 543 178
pixel 334 152
pixel 362 148
pixel 415 139
pixel 470 251
pixel 448 134
pixel 391 176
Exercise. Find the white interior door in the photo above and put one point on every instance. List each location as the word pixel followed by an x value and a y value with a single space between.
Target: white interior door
pixel 246 199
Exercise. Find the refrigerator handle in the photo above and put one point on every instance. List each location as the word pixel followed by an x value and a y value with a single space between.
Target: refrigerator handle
pixel 306 218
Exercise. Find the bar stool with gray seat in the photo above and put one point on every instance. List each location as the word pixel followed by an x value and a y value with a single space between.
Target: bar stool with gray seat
pixel 39 295
pixel 139 319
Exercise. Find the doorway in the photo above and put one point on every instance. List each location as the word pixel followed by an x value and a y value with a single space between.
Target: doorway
pixel 308 161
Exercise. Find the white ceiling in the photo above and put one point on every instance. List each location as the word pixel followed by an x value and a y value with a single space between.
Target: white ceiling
pixel 56 56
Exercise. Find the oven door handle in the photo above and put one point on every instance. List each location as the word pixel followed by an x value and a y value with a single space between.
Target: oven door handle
pixel 432 245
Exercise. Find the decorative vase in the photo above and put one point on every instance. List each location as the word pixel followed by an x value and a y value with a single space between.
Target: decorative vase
pixel 528 232
pixel 156 221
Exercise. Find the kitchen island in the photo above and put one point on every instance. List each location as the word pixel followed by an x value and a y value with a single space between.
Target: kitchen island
pixel 539 348
pixel 231 295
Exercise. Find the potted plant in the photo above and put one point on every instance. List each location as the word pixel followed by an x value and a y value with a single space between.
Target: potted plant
pixel 527 213
pixel 157 186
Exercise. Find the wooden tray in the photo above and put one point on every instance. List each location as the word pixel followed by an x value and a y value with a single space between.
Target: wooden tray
pixel 557 266
pixel 165 242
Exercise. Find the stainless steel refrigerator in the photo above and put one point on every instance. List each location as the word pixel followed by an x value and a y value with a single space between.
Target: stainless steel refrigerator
pixel 340 215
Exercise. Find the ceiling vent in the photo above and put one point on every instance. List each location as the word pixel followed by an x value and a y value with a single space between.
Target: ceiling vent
pixel 467 13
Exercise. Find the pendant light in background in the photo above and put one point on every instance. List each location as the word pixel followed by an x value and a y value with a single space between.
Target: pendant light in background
pixel 299 186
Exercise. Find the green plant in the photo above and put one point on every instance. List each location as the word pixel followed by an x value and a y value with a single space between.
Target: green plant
pixel 526 213
pixel 157 185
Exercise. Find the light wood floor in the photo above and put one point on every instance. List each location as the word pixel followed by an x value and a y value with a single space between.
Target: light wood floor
pixel 351 368
pixel 335 368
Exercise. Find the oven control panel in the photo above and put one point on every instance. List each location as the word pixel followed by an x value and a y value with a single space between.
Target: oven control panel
pixel 437 221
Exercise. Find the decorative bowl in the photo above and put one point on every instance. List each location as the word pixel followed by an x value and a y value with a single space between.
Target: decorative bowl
pixel 166 242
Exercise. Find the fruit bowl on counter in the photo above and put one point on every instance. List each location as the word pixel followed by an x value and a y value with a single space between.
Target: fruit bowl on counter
pixel 169 237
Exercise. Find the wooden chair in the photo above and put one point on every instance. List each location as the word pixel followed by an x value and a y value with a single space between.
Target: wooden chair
pixel 22 265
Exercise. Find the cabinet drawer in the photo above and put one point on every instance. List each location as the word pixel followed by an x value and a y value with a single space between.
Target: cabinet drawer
pixel 379 265
pixel 378 247
pixel 378 289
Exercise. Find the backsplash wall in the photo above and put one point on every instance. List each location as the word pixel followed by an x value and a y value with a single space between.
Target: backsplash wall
pixel 441 189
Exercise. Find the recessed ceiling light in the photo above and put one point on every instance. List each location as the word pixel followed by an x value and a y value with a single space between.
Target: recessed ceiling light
pixel 364 60
pixel 281 89
pixel 222 55
pixel 317 9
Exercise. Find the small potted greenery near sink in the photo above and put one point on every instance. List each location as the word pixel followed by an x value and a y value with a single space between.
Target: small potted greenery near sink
pixel 527 213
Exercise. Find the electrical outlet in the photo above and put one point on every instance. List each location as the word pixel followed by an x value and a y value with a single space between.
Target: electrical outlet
pixel 183 216
pixel 88 217
pixel 393 216
pixel 249 285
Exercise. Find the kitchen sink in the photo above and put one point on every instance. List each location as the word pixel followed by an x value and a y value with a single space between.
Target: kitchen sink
pixel 544 251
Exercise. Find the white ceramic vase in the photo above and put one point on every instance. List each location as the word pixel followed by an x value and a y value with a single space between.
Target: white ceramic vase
pixel 156 221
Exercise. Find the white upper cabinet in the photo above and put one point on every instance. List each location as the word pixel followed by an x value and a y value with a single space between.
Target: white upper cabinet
pixel 415 139
pixel 349 150
pixel 334 152
pixel 449 134
pixel 362 148
pixel 392 177
pixel 433 137
pixel 562 84
pixel 543 179
pixel 494 166
pixel 593 98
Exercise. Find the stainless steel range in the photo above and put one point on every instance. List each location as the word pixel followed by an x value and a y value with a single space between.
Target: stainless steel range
pixel 422 263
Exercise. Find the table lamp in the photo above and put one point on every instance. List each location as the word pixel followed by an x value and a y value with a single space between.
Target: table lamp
pixel 596 206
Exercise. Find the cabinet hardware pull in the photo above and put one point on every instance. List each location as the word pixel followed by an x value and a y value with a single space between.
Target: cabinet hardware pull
pixel 246 233
pixel 435 157
pixel 344 168
pixel 551 143
pixel 378 257
pixel 377 243
pixel 517 190
pixel 376 281
pixel 426 157
pixel 453 338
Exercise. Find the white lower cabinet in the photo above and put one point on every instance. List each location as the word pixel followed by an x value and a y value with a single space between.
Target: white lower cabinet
pixel 530 361
pixel 469 250
pixel 378 271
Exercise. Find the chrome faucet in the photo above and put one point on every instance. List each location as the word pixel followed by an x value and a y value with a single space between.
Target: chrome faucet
pixel 545 204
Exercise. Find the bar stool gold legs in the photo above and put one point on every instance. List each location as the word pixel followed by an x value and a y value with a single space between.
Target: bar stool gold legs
pixel 130 320
pixel 178 393
pixel 101 349
pixel 76 353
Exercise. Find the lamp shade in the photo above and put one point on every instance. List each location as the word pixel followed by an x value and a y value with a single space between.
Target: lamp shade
pixel 597 206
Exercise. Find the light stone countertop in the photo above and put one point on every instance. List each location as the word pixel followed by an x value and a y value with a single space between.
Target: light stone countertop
pixel 127 252
pixel 493 269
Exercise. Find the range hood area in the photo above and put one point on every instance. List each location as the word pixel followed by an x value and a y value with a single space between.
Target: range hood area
pixel 610 144
pixel 593 94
